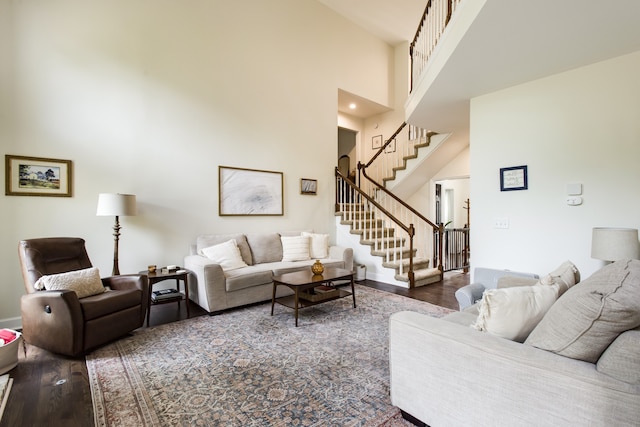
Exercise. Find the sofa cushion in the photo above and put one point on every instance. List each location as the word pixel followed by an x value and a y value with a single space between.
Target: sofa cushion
pixel 284 267
pixel 206 240
pixel 248 277
pixel 512 313
pixel 295 248
pixel 319 246
pixel 621 360
pixel 590 315
pixel 84 283
pixel 265 247
pixel 227 254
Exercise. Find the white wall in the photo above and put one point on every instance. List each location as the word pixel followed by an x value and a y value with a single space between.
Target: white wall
pixel 151 97
pixel 580 126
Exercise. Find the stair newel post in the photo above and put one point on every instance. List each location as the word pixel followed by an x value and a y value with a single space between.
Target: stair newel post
pixel 410 273
pixel 440 249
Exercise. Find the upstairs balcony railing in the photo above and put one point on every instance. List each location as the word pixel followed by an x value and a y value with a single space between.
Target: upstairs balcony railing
pixel 434 20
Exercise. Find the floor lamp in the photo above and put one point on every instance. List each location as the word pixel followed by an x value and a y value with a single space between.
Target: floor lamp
pixel 116 205
pixel 613 244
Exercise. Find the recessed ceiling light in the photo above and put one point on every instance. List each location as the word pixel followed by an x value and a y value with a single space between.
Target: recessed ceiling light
pixel 352 106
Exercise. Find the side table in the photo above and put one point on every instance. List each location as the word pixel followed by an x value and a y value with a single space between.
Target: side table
pixel 158 276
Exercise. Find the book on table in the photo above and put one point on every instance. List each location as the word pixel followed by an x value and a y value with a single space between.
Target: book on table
pixel 324 289
pixel 165 294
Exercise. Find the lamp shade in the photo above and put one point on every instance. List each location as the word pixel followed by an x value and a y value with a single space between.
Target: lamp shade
pixel 116 204
pixel 613 244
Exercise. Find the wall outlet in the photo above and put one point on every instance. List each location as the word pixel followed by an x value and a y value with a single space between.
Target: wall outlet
pixel 501 223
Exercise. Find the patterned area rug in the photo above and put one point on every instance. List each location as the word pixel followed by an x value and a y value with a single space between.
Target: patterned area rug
pixel 247 368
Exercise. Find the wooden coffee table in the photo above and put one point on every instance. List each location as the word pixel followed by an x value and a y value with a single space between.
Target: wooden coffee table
pixel 301 281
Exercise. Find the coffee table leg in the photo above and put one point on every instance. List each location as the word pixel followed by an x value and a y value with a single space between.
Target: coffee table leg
pixel 273 297
pixel 296 305
pixel 353 293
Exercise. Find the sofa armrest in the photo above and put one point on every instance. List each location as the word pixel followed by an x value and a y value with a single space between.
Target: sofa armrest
pixel 343 253
pixel 514 380
pixel 53 320
pixel 468 295
pixel 211 283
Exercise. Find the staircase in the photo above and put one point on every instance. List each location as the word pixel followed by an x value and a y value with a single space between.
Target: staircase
pixel 393 240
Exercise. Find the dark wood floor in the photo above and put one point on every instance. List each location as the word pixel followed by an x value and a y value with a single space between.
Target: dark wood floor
pixel 53 390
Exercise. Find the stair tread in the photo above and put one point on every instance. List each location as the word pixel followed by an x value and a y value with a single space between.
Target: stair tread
pixel 424 273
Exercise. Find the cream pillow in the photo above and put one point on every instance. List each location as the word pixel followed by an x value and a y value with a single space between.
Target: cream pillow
pixel 295 248
pixel 565 276
pixel 512 313
pixel 84 282
pixel 319 246
pixel 227 254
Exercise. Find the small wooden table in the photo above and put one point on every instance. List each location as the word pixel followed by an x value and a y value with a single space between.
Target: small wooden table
pixel 300 281
pixel 157 277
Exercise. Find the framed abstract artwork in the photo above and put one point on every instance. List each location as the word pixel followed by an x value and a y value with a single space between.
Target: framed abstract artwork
pixel 249 192
pixel 37 176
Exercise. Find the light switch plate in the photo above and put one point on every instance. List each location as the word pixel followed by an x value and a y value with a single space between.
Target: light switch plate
pixel 500 223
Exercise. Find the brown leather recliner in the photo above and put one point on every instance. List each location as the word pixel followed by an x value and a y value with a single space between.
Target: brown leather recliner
pixel 61 322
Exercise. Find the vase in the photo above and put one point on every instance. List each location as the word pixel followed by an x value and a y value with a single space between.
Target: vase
pixel 317 267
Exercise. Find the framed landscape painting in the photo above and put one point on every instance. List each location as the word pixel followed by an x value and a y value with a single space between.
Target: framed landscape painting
pixel 249 192
pixel 37 176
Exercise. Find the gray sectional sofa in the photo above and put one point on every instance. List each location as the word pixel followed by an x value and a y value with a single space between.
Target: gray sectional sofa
pixel 216 288
pixel 580 365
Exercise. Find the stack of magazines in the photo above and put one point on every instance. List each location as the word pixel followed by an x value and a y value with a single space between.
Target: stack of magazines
pixel 165 294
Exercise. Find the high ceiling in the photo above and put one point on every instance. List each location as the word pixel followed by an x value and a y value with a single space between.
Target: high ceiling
pixel 391 21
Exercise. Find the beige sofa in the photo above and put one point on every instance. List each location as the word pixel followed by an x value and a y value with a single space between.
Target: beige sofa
pixel 221 283
pixel 580 366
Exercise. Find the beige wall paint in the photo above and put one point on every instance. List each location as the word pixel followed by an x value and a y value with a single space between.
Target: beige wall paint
pixel 151 97
pixel 580 126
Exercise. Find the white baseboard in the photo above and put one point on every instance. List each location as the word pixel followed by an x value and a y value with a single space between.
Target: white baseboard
pixel 11 323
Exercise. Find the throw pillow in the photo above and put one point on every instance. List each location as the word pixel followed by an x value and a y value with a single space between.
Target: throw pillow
pixel 265 247
pixel 620 360
pixel 591 315
pixel 295 248
pixel 226 254
pixel 319 247
pixel 565 276
pixel 512 313
pixel 84 282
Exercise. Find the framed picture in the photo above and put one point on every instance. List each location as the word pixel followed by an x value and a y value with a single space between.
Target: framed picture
pixel 513 178
pixel 308 186
pixel 249 192
pixel 376 142
pixel 37 176
pixel 391 147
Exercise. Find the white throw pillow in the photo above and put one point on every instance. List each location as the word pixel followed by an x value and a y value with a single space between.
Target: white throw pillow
pixel 295 248
pixel 512 313
pixel 319 246
pixel 227 254
pixel 84 282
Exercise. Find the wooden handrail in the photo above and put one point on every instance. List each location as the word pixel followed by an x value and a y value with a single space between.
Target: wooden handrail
pixel 410 230
pixel 373 202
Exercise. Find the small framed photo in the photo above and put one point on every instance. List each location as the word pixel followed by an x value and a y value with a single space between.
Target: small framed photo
pixel 376 142
pixel 513 178
pixel 391 147
pixel 37 176
pixel 308 186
